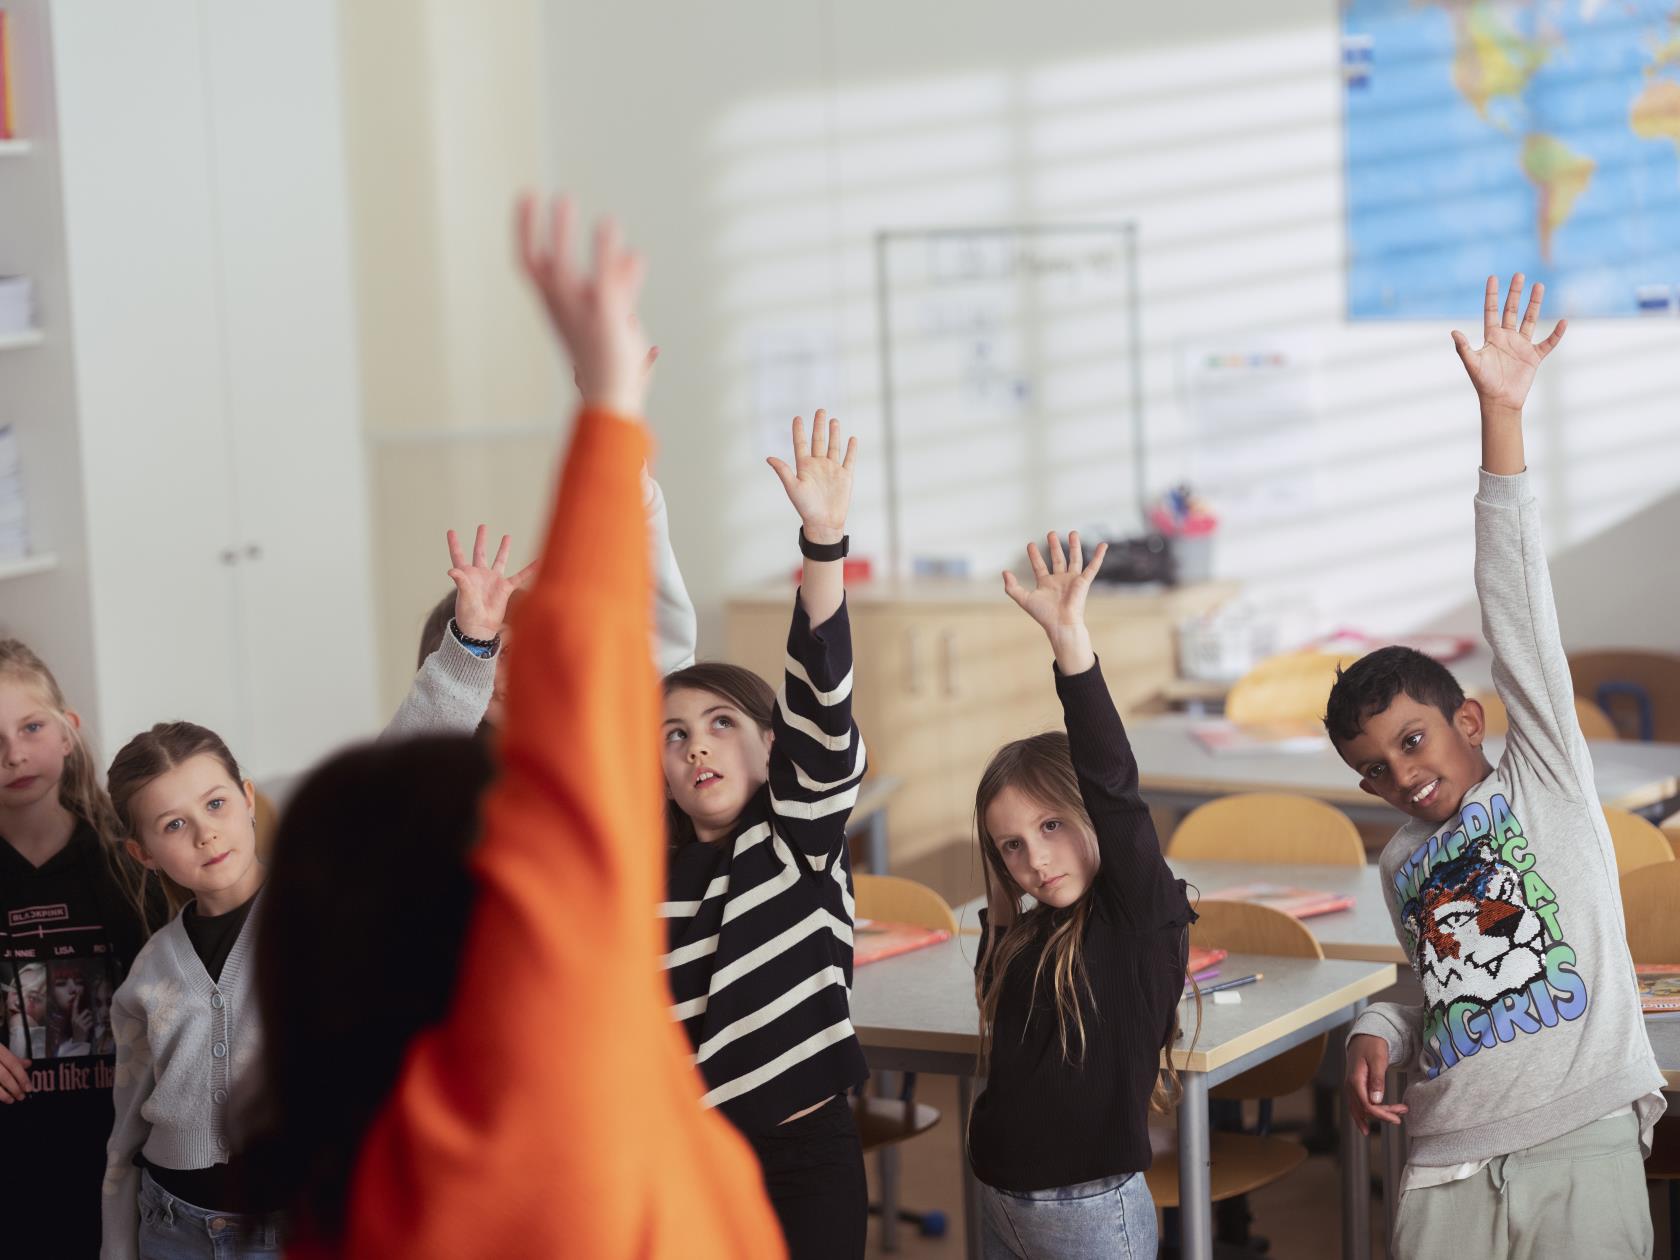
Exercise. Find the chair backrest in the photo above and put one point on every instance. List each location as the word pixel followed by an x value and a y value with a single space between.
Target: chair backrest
pixel 1293 687
pixel 1595 722
pixel 894 899
pixel 1637 843
pixel 1268 827
pixel 1246 928
pixel 1639 690
pixel 1649 896
pixel 268 819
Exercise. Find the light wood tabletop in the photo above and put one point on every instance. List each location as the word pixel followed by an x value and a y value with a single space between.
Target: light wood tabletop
pixel 1363 933
pixel 924 1001
pixel 1176 770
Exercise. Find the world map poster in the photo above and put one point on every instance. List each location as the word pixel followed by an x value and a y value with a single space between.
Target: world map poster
pixel 1487 138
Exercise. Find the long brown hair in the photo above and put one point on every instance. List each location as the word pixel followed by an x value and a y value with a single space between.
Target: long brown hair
pixel 144 758
pixel 749 693
pixel 79 789
pixel 1041 766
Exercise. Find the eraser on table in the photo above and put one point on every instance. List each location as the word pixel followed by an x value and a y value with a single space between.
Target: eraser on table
pixel 1227 997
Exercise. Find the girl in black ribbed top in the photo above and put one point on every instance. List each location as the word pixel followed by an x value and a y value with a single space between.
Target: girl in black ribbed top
pixel 1078 995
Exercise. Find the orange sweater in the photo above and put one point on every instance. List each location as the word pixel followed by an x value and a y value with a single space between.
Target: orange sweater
pixel 556 1112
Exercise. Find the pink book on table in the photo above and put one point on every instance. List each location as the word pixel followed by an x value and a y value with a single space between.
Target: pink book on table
pixel 873 940
pixel 1303 903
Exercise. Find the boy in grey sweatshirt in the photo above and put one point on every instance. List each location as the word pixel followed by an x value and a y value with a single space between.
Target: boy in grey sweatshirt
pixel 1533 1087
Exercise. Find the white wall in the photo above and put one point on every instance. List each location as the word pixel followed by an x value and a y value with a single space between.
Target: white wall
pixel 753 150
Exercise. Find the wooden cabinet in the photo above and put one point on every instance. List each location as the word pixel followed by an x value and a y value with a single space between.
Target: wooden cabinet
pixel 947 673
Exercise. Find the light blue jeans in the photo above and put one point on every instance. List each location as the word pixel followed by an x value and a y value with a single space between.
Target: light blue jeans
pixel 1111 1219
pixel 173 1229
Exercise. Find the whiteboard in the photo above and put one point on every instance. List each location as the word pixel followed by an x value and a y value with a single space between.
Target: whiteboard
pixel 1011 386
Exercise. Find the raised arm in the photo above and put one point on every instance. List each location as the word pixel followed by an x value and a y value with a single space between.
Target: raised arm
pixel 676 630
pixel 1519 613
pixel 1133 880
pixel 452 690
pixel 817 758
pixel 559 1024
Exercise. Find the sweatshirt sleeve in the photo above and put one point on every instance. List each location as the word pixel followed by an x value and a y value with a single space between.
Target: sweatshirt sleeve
pixel 817 760
pixel 1399 1025
pixel 1134 882
pixel 135 1080
pixel 546 1115
pixel 676 629
pixel 1519 620
pixel 448 695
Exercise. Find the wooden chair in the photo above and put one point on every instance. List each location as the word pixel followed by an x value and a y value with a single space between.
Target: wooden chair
pixel 1244 1162
pixel 1595 722
pixel 1639 690
pixel 1268 827
pixel 1649 896
pixel 1671 829
pixel 1292 687
pixel 1638 843
pixel 268 820
pixel 884 1122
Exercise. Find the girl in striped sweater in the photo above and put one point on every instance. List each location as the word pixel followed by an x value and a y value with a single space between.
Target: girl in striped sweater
pixel 759 908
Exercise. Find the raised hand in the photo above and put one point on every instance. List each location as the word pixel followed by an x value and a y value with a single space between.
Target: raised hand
pixel 1058 596
pixel 594 313
pixel 482 591
pixel 819 485
pixel 1503 369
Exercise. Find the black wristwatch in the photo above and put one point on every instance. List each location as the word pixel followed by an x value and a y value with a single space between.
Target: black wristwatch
pixel 478 647
pixel 824 551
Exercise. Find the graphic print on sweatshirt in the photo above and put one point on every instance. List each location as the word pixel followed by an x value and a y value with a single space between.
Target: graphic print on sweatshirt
pixel 1484 933
pixel 59 976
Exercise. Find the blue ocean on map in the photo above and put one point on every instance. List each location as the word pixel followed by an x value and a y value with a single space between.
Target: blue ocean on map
pixel 1488 138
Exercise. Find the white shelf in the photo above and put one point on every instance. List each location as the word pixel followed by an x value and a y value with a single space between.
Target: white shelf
pixel 26 566
pixel 15 148
pixel 22 340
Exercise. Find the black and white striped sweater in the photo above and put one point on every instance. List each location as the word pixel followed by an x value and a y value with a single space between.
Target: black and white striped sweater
pixel 760 925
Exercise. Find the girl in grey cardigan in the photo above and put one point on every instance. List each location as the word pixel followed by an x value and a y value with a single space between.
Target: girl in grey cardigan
pixel 185 1024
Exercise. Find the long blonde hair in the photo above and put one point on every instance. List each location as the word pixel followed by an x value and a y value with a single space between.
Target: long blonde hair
pixel 1041 766
pixel 79 788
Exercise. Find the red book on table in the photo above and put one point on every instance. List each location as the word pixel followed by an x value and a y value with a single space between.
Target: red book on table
pixel 1303 903
pixel 873 940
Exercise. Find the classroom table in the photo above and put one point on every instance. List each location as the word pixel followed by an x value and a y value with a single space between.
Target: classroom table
pixel 917 1013
pixel 1363 933
pixel 1176 772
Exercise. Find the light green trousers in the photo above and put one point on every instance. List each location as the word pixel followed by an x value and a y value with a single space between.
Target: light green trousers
pixel 1576 1197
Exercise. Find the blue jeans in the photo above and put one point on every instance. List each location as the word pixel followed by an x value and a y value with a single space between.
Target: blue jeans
pixel 173 1229
pixel 1112 1218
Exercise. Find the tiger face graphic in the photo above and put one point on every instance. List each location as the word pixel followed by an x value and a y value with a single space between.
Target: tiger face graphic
pixel 1472 931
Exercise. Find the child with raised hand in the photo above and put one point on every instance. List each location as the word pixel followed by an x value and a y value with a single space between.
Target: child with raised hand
pixel 1078 994
pixel 1533 1089
pixel 185 1024
pixel 525 1094
pixel 759 899
pixel 461 683
pixel 65 882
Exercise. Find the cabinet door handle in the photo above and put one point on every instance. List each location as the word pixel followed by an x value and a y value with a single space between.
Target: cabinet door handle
pixel 253 551
pixel 912 663
pixel 948 661
pixel 229 555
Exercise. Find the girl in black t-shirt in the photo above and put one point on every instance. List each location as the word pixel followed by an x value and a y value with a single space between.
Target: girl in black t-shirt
pixel 74 912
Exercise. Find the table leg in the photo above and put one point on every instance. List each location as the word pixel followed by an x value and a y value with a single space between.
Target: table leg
pixel 970 1187
pixel 886 1162
pixel 876 842
pixel 1394 1153
pixel 1356 1190
pixel 1195 1178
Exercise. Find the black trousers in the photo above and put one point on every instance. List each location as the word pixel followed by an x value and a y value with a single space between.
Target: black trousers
pixel 813 1170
